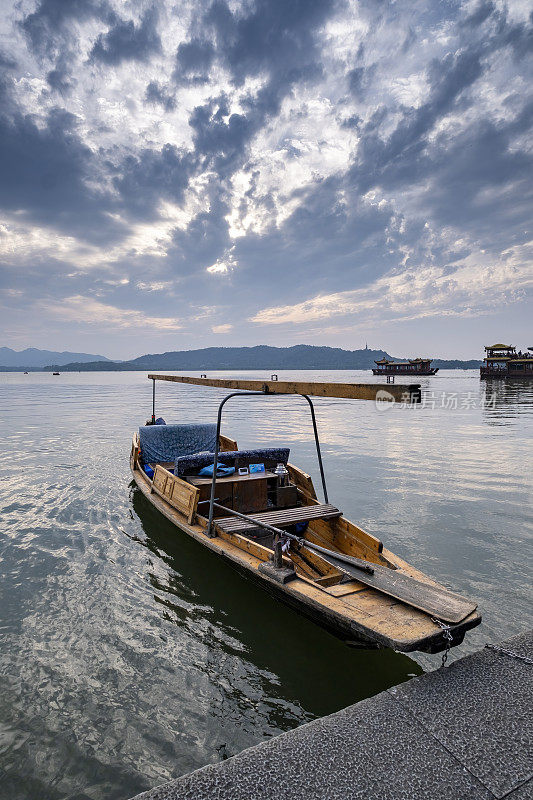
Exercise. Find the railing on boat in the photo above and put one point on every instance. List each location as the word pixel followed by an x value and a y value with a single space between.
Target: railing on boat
pixel 275 388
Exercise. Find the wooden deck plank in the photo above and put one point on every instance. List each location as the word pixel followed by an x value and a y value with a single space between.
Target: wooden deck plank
pixel 367 611
pixel 282 518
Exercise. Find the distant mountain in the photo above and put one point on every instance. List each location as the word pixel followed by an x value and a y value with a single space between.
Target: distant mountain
pixel 301 356
pixel 32 358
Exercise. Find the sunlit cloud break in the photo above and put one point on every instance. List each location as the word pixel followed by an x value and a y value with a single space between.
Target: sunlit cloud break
pixel 93 312
pixel 467 289
pixel 273 161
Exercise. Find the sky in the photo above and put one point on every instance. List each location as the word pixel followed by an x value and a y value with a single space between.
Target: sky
pixel 176 175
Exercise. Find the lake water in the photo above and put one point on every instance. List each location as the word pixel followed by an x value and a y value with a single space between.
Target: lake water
pixel 130 655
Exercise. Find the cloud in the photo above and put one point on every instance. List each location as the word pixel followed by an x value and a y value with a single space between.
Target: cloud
pixel 153 286
pixel 48 27
pixel 46 175
pixel 193 60
pixel 468 289
pixel 126 41
pixel 87 310
pixel 273 37
pixel 151 176
pixel 155 93
pixel 226 328
pixel 334 152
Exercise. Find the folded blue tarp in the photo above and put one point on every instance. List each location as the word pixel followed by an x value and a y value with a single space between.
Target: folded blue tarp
pixel 222 470
pixel 165 443
pixel 198 460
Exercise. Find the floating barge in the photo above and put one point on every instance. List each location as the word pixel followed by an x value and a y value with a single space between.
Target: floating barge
pixel 261 513
pixel 502 361
pixel 414 366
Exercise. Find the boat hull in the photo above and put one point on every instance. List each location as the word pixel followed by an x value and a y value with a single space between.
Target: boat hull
pixel 432 371
pixel 350 617
pixel 504 375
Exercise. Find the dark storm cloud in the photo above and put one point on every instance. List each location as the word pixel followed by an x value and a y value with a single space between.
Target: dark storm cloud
pixel 48 26
pixel 159 95
pixel 220 138
pixel 50 35
pixel 479 180
pixel 206 236
pixel 151 176
pixel 448 79
pixel 59 79
pixel 274 39
pixel 193 60
pixel 126 41
pixel 45 170
pixel 453 171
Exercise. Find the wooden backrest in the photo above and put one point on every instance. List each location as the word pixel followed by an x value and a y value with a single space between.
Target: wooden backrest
pixel 178 493
pixel 225 443
pixel 302 480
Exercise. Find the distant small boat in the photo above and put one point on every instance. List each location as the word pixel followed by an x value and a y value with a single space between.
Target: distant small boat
pixel 502 361
pixel 56 373
pixel 414 366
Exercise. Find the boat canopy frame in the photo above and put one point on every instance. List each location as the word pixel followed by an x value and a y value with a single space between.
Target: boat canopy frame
pixel 273 388
pixel 217 446
pixel 264 393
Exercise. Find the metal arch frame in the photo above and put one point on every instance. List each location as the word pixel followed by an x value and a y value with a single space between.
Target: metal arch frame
pixel 264 393
pixel 217 446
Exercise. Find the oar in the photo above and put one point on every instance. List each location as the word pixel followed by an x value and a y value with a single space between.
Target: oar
pixel 339 560
pixel 434 600
pixel 347 564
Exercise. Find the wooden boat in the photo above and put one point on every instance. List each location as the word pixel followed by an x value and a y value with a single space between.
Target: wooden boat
pixel 415 366
pixel 278 532
pixel 502 361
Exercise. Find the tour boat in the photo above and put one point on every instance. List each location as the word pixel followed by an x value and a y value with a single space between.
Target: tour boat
pixel 502 361
pixel 415 366
pixel 260 512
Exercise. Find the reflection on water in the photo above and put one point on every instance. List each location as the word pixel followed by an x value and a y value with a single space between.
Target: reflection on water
pixel 506 400
pixel 130 655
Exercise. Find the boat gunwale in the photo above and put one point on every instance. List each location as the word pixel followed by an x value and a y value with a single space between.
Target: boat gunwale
pixel 337 621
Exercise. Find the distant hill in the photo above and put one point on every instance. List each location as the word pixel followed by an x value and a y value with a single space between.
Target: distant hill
pixel 301 356
pixel 32 358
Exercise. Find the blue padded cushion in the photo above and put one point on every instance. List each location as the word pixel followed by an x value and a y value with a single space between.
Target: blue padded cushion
pixel 167 442
pixel 196 462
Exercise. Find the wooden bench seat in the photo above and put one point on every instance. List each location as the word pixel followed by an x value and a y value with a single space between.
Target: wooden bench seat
pixel 280 519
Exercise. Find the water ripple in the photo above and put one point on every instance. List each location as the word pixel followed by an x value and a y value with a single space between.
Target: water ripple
pixel 129 655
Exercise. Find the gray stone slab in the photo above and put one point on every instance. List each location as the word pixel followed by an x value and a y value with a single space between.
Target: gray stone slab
pixel 481 709
pixel 522 645
pixel 373 750
pixel 457 733
pixel 524 792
